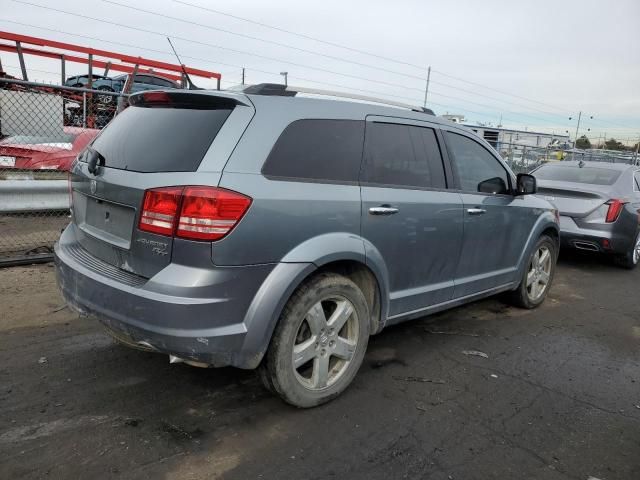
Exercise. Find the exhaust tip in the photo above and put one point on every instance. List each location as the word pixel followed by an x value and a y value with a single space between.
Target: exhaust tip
pixel 591 247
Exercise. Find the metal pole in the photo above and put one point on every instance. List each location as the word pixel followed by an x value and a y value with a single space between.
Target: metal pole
pixel 22 65
pixel 242 75
pixel 84 109
pixel 218 84
pixel 62 69
pixel 90 79
pixel 577 127
pixel 426 90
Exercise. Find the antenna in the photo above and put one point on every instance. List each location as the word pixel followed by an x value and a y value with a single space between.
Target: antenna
pixel 192 86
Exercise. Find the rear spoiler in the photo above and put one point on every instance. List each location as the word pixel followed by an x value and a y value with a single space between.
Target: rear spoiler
pixel 196 99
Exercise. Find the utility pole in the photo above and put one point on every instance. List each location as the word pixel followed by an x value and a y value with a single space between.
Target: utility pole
pixel 426 90
pixel 242 75
pixel 285 75
pixel 578 126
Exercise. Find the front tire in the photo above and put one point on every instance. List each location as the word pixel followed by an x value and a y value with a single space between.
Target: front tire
pixel 538 276
pixel 319 342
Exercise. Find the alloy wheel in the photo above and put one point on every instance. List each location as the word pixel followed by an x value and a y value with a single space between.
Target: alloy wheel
pixel 325 343
pixel 539 273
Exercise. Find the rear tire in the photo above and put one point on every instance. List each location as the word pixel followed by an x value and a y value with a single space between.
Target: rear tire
pixel 538 276
pixel 630 259
pixel 319 342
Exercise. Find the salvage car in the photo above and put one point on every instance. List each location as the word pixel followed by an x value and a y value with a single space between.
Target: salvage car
pixel 272 230
pixel 50 152
pixel 142 82
pixel 599 206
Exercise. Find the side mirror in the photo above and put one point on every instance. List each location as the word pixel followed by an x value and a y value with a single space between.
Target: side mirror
pixel 526 184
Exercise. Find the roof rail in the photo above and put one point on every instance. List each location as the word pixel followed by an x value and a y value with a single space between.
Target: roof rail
pixel 277 89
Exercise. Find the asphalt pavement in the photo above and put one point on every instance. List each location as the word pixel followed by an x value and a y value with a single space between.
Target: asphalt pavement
pixel 555 395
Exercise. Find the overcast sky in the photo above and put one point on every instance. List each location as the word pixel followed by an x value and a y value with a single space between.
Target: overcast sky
pixel 542 60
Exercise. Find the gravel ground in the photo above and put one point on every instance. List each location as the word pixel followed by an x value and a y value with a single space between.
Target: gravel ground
pixel 558 396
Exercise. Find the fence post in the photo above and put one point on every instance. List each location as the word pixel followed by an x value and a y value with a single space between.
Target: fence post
pixel 84 109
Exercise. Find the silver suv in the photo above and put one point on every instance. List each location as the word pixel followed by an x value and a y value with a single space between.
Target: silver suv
pixel 260 229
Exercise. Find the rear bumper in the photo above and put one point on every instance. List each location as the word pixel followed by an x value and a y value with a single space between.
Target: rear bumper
pixel 197 314
pixel 605 238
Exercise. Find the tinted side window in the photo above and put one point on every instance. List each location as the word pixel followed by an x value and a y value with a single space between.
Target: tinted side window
pixel 318 150
pixel 402 155
pixel 479 171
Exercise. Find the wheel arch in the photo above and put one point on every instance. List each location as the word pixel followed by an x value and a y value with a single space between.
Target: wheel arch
pixel 545 225
pixel 339 253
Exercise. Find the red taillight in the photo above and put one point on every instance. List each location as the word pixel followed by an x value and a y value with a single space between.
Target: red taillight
pixel 615 207
pixel 210 213
pixel 159 210
pixel 156 97
pixel 206 213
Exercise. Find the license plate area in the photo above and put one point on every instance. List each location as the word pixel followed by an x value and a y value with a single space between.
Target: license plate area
pixel 105 220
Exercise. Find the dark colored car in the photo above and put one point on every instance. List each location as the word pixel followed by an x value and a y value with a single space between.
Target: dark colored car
pixel 142 82
pixel 599 206
pixel 263 230
pixel 53 152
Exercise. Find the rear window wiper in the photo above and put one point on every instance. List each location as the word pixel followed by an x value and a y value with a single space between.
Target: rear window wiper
pixel 95 160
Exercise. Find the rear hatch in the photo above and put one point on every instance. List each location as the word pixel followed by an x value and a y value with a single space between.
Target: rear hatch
pixel 574 200
pixel 160 140
pixel 577 190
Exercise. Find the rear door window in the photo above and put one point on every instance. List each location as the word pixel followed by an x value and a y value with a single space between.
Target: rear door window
pixel 478 170
pixel 145 139
pixel 402 155
pixel 317 150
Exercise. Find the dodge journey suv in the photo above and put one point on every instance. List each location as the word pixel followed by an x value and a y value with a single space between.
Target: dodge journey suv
pixel 266 229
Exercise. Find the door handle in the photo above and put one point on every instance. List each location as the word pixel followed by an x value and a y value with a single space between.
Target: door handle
pixel 383 210
pixel 476 211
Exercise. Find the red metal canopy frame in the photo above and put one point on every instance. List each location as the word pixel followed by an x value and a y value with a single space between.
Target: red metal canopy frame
pixel 115 61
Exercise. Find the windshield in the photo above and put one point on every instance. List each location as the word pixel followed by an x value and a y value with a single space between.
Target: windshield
pixel 64 141
pixel 589 175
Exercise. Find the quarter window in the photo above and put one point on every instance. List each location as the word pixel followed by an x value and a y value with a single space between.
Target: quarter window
pixel 402 155
pixel 329 150
pixel 479 171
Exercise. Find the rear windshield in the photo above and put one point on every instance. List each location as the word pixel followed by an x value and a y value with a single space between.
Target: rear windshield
pixel 590 175
pixel 145 139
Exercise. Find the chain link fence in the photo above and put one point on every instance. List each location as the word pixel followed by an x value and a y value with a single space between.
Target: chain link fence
pixel 42 129
pixel 523 158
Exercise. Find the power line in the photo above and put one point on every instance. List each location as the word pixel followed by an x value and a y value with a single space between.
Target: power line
pixel 404 87
pixel 279 44
pixel 301 35
pixel 189 40
pixel 342 46
pixel 378 68
pixel 495 90
pixel 515 96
